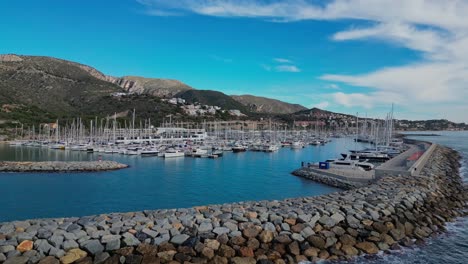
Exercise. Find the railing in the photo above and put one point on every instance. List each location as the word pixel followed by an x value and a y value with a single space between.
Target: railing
pixel 416 168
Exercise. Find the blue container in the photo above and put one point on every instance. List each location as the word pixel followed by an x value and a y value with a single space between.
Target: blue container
pixel 324 165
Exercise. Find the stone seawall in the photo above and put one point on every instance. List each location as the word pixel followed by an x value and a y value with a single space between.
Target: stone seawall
pixel 333 181
pixel 59 166
pixel 393 212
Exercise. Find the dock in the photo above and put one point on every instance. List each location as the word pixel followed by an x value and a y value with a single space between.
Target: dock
pixel 408 163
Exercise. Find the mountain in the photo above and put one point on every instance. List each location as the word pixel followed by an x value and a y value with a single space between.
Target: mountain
pixel 150 86
pixel 40 89
pixel 215 98
pixel 50 84
pixel 266 105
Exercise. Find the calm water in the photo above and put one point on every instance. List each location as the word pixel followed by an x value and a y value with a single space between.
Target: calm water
pixel 451 247
pixel 153 183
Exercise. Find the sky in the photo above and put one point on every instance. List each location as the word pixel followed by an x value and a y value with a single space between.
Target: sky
pixel 350 56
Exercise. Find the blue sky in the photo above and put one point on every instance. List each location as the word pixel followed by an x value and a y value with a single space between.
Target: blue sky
pixel 347 56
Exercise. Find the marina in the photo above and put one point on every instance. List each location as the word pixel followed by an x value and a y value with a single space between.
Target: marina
pixel 153 182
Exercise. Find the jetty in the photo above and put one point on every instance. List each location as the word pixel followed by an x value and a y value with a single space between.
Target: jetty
pixel 389 213
pixel 59 166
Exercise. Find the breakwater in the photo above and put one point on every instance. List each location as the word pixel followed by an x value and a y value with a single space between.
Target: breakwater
pixel 334 180
pixel 59 166
pixel 393 212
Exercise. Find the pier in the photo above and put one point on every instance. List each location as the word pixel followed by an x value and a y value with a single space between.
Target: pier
pixel 407 163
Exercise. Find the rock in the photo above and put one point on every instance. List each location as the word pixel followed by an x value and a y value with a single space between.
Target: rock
pixel 133 259
pixel 380 227
pixel 49 260
pixel 24 246
pixel 349 250
pixel 205 227
pixel 130 240
pixel 125 251
pixel 283 239
pixel 150 232
pixel 42 246
pixel 57 252
pixel 147 249
pixel 73 255
pixel 13 253
pixel 101 257
pixel 383 246
pixel 316 241
pixel 2 257
pixel 226 251
pixel 69 244
pixel 368 247
pixel 17 260
pixel 167 255
pixel 179 239
pixel 221 230
pixel 246 252
pixel 297 228
pixel 219 260
pixel 327 221
pixel 93 246
pixel 6 248
pixel 266 236
pixel 290 221
pixel 294 249
pixel 56 240
pixel 251 232
pixel 113 245
pixel 352 221
pixel 337 217
pixel 73 227
pixel 311 252
pixel 109 238
pixel 297 237
pixel 347 240
pixel 211 243
pixel 243 260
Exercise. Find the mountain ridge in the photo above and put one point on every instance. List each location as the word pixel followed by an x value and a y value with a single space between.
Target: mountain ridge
pixel 267 105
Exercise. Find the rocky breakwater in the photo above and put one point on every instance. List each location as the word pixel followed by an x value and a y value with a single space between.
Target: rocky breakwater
pixel 59 166
pixel 391 213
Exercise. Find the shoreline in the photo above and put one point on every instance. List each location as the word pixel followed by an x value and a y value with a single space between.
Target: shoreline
pixel 393 212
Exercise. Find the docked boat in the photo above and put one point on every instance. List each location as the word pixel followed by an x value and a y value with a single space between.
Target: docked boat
pixel 57 146
pixel 149 152
pixel 239 148
pixel 173 153
pixel 350 164
pixel 198 153
pixel 297 145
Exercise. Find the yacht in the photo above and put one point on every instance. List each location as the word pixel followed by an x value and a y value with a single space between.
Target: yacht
pixel 297 145
pixel 239 148
pixel 149 152
pixel 350 164
pixel 173 153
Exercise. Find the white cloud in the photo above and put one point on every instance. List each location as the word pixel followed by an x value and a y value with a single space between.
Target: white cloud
pixel 333 86
pixel 282 60
pixel 322 105
pixel 281 65
pixel 438 29
pixel 221 59
pixel 287 68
